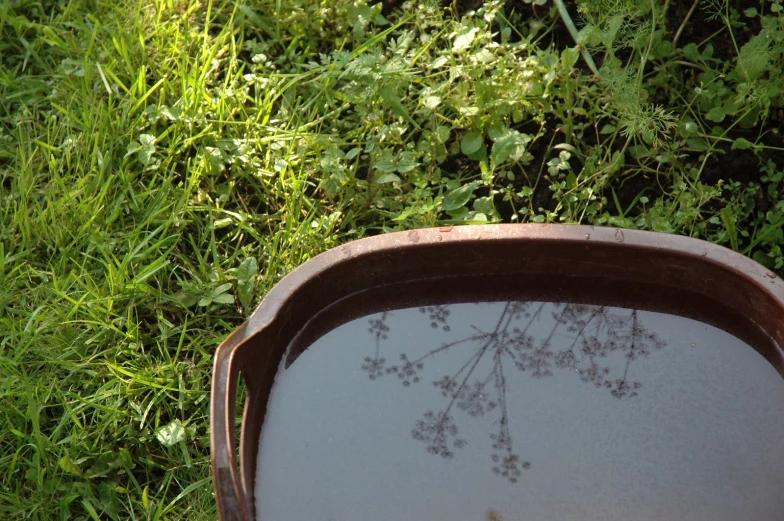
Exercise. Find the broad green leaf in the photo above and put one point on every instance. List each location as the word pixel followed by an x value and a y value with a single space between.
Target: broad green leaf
pixel 471 143
pixel 484 209
pixel 688 128
pixel 69 466
pixel 172 114
pixel 482 56
pixel 223 288
pixel 145 154
pixel 386 163
pixel 88 506
pixel 569 57
pixel 663 49
pixel 691 52
pixel 589 35
pixel 406 165
pixel 133 147
pixel 387 178
pixel 224 298
pixel 464 39
pixel 698 143
pixel 147 140
pixel 407 212
pixel 468 111
pixel 764 259
pixel 617 162
pixel 458 214
pixel 171 434
pixel 638 151
pixel 431 102
pixel 502 149
pixel 508 143
pixel 439 62
pixel 742 144
pixel 459 196
pixel 246 280
pixel 716 114
pixel 280 165
pixel 443 133
pixel 214 159
pixel 109 500
pixel 186 299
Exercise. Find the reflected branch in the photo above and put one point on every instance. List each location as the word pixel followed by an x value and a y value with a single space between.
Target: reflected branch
pixel 592 333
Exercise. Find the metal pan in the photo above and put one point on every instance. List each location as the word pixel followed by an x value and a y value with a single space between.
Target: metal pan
pixel 644 270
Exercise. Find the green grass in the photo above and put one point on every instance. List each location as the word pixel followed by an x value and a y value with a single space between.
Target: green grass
pixel 102 256
pixel 163 163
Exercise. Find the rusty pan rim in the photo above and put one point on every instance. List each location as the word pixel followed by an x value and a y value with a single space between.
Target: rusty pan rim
pixel 700 250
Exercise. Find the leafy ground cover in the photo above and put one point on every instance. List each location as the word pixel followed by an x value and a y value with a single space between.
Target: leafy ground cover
pixel 164 162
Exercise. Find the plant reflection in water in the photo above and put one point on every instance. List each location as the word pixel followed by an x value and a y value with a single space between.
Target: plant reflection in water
pixel 581 339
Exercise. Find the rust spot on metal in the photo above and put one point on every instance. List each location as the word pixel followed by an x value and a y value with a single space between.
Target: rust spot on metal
pixel 413 236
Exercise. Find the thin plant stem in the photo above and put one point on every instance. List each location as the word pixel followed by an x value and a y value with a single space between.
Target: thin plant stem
pixel 683 24
pixel 567 20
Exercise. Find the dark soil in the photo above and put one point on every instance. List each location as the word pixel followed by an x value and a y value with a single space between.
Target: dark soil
pixel 702 26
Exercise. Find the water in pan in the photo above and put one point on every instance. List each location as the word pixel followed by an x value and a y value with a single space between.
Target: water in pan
pixel 524 411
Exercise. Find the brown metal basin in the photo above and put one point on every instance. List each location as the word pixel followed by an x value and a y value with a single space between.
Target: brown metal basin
pixel 428 268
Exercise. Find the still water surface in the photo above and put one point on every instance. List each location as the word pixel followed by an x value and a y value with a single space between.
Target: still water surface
pixel 524 411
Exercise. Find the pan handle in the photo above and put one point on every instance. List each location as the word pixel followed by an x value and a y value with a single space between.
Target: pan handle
pixel 232 501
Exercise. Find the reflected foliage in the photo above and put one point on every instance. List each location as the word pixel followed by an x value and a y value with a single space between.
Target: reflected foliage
pixel 578 338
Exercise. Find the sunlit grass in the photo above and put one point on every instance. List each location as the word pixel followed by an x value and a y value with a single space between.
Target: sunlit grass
pixel 101 248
